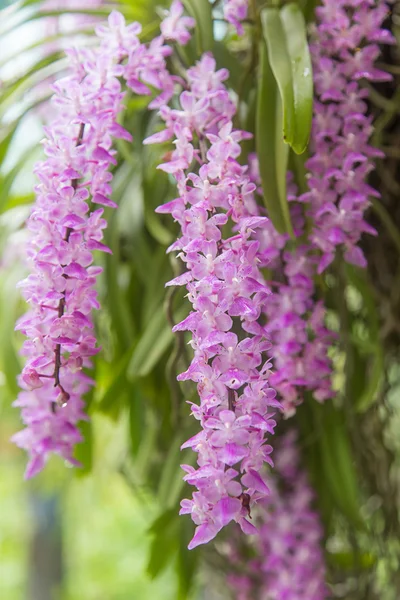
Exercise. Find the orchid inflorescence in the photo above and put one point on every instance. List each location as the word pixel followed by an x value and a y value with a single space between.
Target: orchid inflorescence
pixel 257 344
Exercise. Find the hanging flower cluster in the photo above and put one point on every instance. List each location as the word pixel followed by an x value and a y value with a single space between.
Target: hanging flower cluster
pixel 228 295
pixel 288 562
pixel 344 51
pixel 295 321
pixel 66 227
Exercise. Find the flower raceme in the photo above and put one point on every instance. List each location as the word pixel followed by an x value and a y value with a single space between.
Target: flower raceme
pixel 295 320
pixel 228 295
pixel 66 227
pixel 344 50
pixel 288 562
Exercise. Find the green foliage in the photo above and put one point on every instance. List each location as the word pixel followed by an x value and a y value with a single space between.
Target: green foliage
pixel 289 57
pixel 271 149
pixel 284 104
pixel 300 61
pixel 202 12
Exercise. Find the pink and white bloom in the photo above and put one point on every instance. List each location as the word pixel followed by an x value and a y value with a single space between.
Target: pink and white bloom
pixel 287 559
pixel 65 230
pixel 175 26
pixel 227 291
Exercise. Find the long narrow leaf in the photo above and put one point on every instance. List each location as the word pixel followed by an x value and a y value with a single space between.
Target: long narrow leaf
pixel 271 149
pixel 296 38
pixel 275 38
pixel 201 10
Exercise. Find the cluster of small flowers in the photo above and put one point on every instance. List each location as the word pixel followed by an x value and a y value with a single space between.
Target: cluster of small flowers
pixel 296 323
pixel 288 562
pixel 235 12
pixel 228 295
pixel 344 50
pixel 65 230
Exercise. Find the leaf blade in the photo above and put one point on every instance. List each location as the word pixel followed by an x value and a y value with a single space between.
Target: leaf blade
pixel 271 149
pixel 294 26
pixel 279 59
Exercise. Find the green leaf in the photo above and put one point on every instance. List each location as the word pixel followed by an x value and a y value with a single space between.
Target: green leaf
pixel 227 60
pixel 375 377
pixel 109 402
pixel 137 409
pixel 13 201
pixel 10 362
pixel 347 560
pixel 151 346
pixel 296 38
pixel 165 542
pixel 8 179
pixel 171 481
pixel 285 36
pixel 338 462
pixel 84 450
pixel 275 38
pixel 271 149
pixel 187 560
pixel 6 140
pixel 116 298
pixel 162 521
pixel 374 363
pixel 309 7
pixel 201 10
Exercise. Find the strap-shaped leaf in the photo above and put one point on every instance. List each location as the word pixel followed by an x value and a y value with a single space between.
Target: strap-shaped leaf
pixel 300 60
pixel 201 10
pixel 271 149
pixel 279 59
pixel 338 463
pixel 285 36
pixel 373 355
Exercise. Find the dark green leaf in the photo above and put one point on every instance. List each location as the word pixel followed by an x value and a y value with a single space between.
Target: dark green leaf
pixel 109 402
pixel 348 560
pixel 187 560
pixel 84 450
pixel 165 542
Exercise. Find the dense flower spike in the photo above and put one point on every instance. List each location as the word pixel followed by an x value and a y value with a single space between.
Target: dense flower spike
pixel 295 321
pixel 288 563
pixel 344 51
pixel 65 230
pixel 228 295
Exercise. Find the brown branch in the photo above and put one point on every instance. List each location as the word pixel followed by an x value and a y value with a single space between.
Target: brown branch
pixel 61 305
